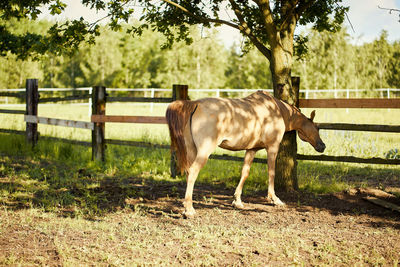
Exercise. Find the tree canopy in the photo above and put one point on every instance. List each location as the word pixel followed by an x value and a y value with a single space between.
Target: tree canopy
pixel 117 60
pixel 262 22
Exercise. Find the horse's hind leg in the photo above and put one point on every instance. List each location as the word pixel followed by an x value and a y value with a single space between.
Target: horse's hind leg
pixel 191 149
pixel 248 159
pixel 203 152
pixel 193 172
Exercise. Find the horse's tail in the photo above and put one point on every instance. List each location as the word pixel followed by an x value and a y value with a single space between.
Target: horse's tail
pixel 178 114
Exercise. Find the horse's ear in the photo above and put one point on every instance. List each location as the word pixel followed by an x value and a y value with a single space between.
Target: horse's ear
pixel 312 115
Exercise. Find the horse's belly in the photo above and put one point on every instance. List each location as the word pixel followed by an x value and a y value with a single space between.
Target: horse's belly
pixel 228 145
pixel 242 144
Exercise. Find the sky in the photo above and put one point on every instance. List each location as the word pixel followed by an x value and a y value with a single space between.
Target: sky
pixel 369 21
pixel 366 18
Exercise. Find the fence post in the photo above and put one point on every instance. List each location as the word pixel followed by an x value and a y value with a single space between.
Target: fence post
pixel 179 92
pixel 152 103
pixel 90 102
pixel 32 100
pixel 98 133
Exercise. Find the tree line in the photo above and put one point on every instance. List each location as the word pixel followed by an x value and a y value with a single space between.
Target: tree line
pixel 333 61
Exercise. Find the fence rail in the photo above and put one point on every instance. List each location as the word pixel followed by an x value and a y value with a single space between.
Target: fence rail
pixel 98 98
pixel 350 159
pixel 130 119
pixel 65 98
pixel 136 144
pixel 139 99
pixel 12 111
pixel 9 94
pixel 359 127
pixel 9 131
pixel 350 103
pixel 59 122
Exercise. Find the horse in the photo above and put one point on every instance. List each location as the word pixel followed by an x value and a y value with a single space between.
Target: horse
pixel 255 122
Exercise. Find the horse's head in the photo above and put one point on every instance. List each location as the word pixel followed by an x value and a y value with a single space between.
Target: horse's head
pixel 309 132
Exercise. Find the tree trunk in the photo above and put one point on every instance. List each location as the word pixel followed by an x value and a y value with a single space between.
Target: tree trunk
pixel 286 88
pixel 286 164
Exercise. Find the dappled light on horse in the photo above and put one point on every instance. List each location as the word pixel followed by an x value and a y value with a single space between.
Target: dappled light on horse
pixel 256 122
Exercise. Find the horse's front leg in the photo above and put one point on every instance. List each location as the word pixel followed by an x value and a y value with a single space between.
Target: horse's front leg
pixel 248 159
pixel 272 154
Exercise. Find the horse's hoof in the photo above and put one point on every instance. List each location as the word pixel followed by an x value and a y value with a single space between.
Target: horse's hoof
pixel 238 205
pixel 279 203
pixel 189 214
pixel 275 201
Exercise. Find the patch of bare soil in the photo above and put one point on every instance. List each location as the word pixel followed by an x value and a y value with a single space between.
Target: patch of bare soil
pixel 21 245
pixel 323 222
pixel 351 202
pixel 320 228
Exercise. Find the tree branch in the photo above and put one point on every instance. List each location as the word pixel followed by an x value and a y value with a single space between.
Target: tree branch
pixel 211 20
pixel 390 10
pixel 242 27
pixel 289 14
pixel 269 23
pixel 245 29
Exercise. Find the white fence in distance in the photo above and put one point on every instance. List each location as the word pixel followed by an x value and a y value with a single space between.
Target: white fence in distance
pixel 384 92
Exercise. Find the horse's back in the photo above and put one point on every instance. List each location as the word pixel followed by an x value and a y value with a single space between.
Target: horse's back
pixel 237 124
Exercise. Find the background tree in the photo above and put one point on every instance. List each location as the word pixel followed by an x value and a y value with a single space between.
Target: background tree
pixel 377 55
pixel 200 65
pixel 394 66
pixel 139 61
pixel 330 54
pixel 101 63
pixel 247 70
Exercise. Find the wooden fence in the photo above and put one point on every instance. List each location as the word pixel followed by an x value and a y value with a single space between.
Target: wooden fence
pixel 99 98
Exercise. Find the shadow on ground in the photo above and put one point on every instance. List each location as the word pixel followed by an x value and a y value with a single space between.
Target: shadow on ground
pixel 94 196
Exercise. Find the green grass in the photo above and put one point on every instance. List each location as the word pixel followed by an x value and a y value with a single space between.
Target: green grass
pixel 56 174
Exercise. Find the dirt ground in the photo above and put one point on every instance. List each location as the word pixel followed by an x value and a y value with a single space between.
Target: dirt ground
pixel 330 229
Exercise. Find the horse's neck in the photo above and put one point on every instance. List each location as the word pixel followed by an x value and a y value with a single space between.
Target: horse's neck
pixel 290 115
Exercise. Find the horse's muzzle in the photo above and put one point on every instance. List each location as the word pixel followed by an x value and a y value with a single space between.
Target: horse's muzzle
pixel 320 146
